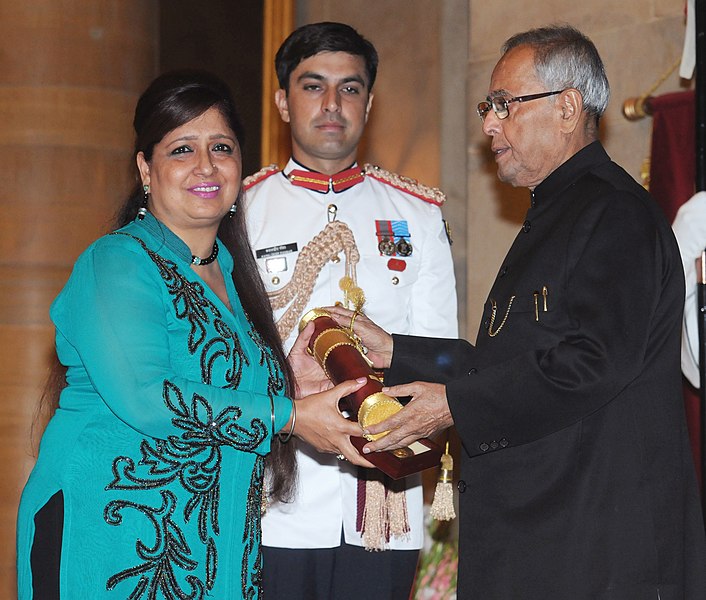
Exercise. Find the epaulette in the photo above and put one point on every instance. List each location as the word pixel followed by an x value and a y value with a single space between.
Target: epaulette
pixel 261 175
pixel 406 184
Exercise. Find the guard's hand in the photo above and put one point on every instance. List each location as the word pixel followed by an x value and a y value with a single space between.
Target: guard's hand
pixel 308 375
pixel 377 342
pixel 321 425
pixel 426 414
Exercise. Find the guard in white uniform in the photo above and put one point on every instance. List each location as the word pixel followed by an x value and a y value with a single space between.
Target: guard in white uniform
pixel 690 230
pixel 309 230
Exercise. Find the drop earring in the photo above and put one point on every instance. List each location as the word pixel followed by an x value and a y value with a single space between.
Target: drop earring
pixel 145 197
pixel 231 211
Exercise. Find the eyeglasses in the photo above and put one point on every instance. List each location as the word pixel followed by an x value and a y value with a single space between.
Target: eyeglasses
pixel 499 104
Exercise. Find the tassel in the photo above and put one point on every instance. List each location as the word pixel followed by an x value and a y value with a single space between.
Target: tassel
pixel 374 516
pixel 382 512
pixel 442 507
pixel 397 513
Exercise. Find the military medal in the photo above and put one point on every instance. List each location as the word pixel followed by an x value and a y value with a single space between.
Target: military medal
pixel 404 248
pixel 386 246
pixel 402 243
pixel 393 238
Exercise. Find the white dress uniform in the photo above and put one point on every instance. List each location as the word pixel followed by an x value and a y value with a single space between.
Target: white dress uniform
pixel 690 230
pixel 408 294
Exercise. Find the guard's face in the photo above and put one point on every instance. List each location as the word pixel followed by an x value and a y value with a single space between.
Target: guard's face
pixel 194 173
pixel 528 143
pixel 327 107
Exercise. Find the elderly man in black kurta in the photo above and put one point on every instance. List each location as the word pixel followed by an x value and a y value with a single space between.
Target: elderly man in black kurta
pixel 577 481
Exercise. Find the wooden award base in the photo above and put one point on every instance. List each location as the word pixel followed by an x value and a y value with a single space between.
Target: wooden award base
pixel 422 454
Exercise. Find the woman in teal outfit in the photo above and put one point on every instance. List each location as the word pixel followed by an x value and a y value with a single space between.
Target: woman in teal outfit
pixel 149 478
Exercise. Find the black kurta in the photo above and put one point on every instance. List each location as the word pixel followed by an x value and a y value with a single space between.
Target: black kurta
pixel 577 480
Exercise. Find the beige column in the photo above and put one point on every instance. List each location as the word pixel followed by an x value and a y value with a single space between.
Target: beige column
pixel 70 74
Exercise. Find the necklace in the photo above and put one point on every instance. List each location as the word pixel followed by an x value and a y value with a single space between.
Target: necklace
pixel 195 260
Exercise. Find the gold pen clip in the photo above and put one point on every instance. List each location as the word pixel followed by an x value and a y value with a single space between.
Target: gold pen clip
pixel 545 293
pixel 536 305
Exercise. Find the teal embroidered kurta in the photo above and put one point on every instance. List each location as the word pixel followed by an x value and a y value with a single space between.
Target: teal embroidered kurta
pixel 158 442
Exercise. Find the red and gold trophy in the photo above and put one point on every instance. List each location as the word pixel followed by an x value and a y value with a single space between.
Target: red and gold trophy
pixel 340 354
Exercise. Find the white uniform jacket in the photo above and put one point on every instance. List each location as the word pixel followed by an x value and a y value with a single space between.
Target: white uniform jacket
pixel 690 230
pixel 418 300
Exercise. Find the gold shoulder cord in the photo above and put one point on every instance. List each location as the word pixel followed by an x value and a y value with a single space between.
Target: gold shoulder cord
pixel 334 238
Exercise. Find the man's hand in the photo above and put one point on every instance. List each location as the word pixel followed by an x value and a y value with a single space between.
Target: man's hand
pixel 375 339
pixel 309 376
pixel 427 413
pixel 321 425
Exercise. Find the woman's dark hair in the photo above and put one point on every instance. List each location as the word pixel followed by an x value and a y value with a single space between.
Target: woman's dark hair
pixel 172 100
pixel 311 39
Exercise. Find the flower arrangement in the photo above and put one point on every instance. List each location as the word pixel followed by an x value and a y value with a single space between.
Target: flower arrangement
pixel 438 564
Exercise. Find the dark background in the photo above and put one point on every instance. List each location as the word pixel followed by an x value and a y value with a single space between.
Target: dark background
pixel 224 37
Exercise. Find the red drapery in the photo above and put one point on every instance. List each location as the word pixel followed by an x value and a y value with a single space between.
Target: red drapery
pixel 673 155
pixel 672 182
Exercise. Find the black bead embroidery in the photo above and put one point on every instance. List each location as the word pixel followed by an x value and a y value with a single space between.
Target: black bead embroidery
pixel 252 556
pixel 193 459
pixel 156 573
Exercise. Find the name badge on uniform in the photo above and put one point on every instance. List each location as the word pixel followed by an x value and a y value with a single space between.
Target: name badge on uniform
pixel 275 261
pixel 276 264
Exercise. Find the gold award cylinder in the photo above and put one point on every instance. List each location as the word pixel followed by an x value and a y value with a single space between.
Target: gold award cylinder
pixel 340 356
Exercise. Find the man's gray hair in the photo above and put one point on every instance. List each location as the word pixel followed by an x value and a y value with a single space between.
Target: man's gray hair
pixel 565 58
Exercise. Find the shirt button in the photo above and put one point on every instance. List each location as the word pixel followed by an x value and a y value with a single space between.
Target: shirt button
pixel 526 226
pixel 395 280
pixel 504 443
pixel 494 445
pixel 484 447
pixel 275 280
pixel 461 486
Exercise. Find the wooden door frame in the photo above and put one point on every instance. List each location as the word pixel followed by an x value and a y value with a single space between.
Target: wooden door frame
pixel 278 23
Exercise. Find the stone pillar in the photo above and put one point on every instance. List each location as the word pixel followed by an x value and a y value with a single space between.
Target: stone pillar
pixel 70 74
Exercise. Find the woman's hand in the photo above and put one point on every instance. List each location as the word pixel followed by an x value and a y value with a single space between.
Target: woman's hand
pixel 321 425
pixel 308 375
pixel 375 339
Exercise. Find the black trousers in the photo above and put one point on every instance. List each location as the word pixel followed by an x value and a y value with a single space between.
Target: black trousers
pixel 343 573
pixel 45 557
